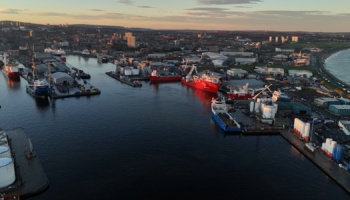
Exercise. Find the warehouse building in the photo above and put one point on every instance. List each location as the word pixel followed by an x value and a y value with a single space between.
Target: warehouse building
pixel 326 102
pixel 340 109
pixel 295 107
pixel 271 71
pixel 344 101
pixel 301 73
pixel 238 54
pixel 61 77
pixel 236 72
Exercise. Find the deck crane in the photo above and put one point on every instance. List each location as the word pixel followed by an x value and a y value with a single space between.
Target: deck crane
pixel 194 68
pixel 266 88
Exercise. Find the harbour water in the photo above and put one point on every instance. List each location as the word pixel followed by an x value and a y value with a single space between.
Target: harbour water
pixel 338 65
pixel 154 142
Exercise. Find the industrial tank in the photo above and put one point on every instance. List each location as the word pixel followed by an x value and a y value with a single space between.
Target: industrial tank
pixel 5 152
pixel 7 172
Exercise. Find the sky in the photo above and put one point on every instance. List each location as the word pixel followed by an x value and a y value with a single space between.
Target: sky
pixel 269 15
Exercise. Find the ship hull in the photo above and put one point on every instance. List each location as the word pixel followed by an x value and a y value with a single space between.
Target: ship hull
pixel 203 85
pixel 222 125
pixel 14 75
pixel 164 78
pixel 35 93
pixel 239 96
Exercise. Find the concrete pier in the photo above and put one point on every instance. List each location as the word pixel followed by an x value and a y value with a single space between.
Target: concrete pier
pixel 125 80
pixel 30 176
pixel 322 161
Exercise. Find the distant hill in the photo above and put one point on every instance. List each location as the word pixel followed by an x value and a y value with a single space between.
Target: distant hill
pixel 96 26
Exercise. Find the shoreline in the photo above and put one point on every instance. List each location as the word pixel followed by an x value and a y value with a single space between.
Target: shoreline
pixel 327 55
pixel 324 57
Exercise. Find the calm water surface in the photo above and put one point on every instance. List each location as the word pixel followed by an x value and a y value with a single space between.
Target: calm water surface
pixel 154 142
pixel 339 64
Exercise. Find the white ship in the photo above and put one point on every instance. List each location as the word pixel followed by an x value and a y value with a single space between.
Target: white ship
pixel 57 52
pixel 86 52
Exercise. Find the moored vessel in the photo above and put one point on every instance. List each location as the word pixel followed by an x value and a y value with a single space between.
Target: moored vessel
pixel 204 81
pixel 86 52
pixel 155 76
pixel 55 52
pixel 222 117
pixel 10 68
pixel 239 93
pixel 39 88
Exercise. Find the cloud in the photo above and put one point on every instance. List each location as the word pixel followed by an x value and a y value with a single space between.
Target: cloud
pixel 128 2
pixel 292 12
pixel 242 6
pixel 227 2
pixel 47 14
pixel 11 11
pixel 97 10
pixel 212 12
pixel 208 9
pixel 145 6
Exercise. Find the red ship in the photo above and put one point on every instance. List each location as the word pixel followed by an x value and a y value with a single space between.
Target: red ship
pixel 166 77
pixel 240 93
pixel 204 82
pixel 63 58
pixel 10 67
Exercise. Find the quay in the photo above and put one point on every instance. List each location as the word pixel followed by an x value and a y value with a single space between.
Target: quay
pixel 26 78
pixel 128 81
pixel 30 176
pixel 324 163
pixel 77 94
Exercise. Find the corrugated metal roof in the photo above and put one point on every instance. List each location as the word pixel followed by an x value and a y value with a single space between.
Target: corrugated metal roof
pixel 339 107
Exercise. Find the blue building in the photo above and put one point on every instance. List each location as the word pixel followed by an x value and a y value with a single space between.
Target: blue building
pixel 340 109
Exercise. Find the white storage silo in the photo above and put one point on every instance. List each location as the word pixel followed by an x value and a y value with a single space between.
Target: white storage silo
pixel 7 172
pixel 276 107
pixel 257 105
pixel 251 106
pixel 5 152
pixel 267 111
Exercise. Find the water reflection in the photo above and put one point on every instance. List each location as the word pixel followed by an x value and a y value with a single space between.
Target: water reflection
pixel 42 104
pixel 13 83
pixel 155 84
pixel 203 96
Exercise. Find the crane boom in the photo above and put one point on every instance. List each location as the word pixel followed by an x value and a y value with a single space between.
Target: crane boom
pixel 266 87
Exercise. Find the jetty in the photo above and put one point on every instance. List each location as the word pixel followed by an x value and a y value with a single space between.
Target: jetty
pixel 30 176
pixel 123 79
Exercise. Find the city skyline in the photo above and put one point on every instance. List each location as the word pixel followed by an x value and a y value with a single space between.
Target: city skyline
pixel 270 15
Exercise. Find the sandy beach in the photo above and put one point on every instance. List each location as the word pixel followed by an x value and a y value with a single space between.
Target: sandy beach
pixel 328 54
